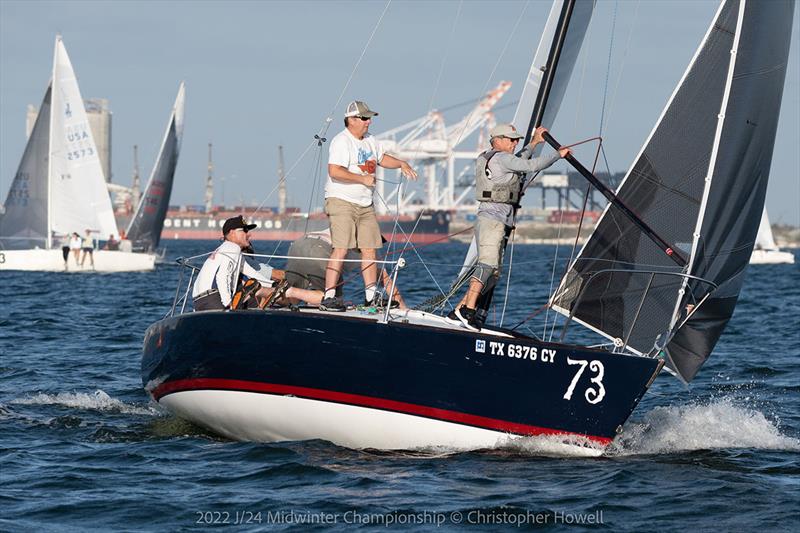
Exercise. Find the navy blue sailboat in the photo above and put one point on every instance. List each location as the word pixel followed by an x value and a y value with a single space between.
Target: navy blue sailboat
pixel 408 379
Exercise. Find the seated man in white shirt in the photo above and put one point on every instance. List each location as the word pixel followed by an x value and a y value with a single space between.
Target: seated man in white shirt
pixel 221 275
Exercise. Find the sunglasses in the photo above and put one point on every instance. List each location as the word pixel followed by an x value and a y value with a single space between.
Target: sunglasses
pixel 364 118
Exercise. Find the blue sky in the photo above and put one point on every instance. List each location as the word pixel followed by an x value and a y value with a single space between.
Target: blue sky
pixel 259 74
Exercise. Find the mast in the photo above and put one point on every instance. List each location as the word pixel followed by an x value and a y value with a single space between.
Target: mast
pixel 560 33
pixel 281 183
pixel 49 236
pixel 209 197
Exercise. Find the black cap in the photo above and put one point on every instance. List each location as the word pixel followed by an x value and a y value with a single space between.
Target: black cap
pixel 236 223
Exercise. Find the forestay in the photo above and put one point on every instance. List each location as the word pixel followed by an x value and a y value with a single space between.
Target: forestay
pixel 144 230
pixel 700 180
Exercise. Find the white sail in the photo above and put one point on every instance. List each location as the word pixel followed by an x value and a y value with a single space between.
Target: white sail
pixel 79 199
pixel 766 251
pixel 764 239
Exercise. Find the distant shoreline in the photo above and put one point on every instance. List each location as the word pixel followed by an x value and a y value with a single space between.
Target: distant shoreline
pixel 786 237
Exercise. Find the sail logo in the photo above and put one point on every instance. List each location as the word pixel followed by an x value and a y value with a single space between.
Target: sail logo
pixel 67 111
pixel 480 346
pixel 73 136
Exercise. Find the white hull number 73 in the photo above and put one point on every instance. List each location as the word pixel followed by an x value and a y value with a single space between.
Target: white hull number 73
pixel 593 395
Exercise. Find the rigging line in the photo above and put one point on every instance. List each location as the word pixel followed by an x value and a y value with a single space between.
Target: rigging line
pixel 578 232
pixel 286 177
pixel 444 58
pixel 552 277
pixel 411 245
pixel 328 120
pixel 622 64
pixel 315 182
pixel 583 209
pixel 530 316
pixel 508 277
pixel 491 74
pixel 608 66
pixel 308 212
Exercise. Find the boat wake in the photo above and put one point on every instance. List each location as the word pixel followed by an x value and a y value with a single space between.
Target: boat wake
pixel 96 401
pixel 719 424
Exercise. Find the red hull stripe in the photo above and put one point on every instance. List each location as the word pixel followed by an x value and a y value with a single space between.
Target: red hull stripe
pixel 365 401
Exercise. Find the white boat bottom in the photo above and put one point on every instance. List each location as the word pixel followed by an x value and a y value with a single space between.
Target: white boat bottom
pixel 42 260
pixel 771 257
pixel 248 416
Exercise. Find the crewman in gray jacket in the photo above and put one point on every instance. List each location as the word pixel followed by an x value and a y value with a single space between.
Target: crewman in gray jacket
pixel 499 180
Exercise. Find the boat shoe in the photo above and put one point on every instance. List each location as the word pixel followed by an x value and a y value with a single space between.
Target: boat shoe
pixel 333 303
pixel 380 301
pixel 466 316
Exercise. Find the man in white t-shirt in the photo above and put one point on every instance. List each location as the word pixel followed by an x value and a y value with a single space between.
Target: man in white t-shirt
pixel 353 157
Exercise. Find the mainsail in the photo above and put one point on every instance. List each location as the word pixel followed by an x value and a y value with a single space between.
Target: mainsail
pixel 78 196
pixel 24 224
pixel 552 64
pixel 144 230
pixel 547 80
pixel 700 179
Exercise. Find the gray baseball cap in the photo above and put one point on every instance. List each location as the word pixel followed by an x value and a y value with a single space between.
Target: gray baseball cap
pixel 505 130
pixel 357 108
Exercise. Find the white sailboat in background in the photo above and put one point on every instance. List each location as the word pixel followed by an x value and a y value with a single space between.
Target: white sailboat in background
pixel 766 252
pixel 59 188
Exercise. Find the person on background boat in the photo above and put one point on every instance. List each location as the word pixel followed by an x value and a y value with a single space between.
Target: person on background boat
pixel 499 180
pixel 75 246
pixel 222 273
pixel 64 240
pixel 87 248
pixel 353 157
pixel 125 245
pixel 111 243
pixel 310 274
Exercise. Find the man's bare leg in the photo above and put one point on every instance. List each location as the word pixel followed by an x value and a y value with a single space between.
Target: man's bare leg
pixel 334 269
pixel 369 270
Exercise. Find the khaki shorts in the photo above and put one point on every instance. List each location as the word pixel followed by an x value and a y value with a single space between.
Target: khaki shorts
pixel 490 240
pixel 352 226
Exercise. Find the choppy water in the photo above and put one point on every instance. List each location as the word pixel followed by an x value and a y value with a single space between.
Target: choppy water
pixel 82 448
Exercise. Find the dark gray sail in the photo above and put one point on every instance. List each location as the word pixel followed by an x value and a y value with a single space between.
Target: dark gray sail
pixel 24 223
pixel 700 181
pixel 144 230
pixel 739 183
